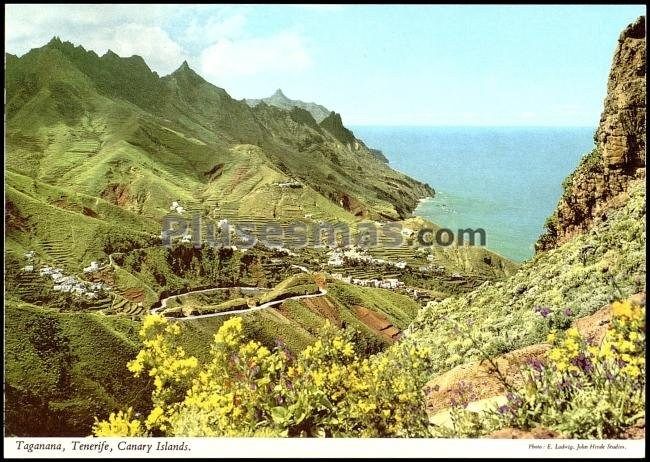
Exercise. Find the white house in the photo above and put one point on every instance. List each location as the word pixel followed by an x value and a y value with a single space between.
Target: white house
pixel 94 266
pixel 176 207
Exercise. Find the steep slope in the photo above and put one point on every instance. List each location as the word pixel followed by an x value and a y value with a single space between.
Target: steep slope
pixel 109 128
pixel 116 118
pixel 592 269
pixel 279 99
pixel 58 374
pixel 601 181
pixel 593 258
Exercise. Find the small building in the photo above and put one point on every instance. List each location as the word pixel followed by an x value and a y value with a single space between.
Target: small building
pixel 94 266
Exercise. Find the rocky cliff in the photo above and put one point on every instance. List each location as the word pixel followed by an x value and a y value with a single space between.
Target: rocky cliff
pixel 601 180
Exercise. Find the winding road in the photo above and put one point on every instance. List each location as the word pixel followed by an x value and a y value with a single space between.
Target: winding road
pixel 163 303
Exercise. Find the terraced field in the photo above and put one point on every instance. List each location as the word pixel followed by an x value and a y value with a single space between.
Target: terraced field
pixel 59 251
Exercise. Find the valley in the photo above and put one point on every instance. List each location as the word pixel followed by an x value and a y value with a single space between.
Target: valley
pixel 182 263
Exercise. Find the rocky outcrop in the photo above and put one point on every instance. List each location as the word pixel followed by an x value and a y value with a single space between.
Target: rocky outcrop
pixel 600 181
pixel 621 134
pixel 334 125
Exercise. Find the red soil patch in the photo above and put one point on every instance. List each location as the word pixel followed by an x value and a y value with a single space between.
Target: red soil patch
pixel 14 219
pixel 353 205
pixel 377 322
pixel 116 194
pixel 134 295
pixel 106 276
pixel 323 307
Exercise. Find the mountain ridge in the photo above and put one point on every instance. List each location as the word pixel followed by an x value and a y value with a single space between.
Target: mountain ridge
pixel 111 128
pixel 279 99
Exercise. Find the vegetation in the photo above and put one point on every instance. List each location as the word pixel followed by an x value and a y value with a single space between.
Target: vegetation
pixel 584 390
pixel 61 369
pixel 586 273
pixel 98 148
pixel 247 390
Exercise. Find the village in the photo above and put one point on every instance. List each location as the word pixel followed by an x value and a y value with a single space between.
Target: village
pixel 67 283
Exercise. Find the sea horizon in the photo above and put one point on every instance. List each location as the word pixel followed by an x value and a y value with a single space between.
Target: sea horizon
pixel 504 179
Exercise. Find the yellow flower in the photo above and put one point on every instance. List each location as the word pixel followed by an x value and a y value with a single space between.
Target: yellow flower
pixel 632 371
pixel 573 332
pixel 319 378
pixel 622 309
pixel 155 414
pixel 348 349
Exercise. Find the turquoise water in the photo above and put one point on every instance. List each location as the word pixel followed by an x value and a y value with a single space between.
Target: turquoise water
pixel 504 180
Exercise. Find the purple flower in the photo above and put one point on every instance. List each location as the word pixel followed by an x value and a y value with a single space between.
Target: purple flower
pixel 503 409
pixel 568 312
pixel 536 364
pixel 543 310
pixel 583 363
pixel 514 400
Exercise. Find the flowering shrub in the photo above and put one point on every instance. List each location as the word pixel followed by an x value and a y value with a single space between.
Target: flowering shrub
pixel 120 424
pixel 245 389
pixel 501 315
pixel 583 391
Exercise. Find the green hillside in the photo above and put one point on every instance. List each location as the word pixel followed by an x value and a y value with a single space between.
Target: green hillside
pixel 110 127
pixel 605 264
pixel 98 150
pixel 60 369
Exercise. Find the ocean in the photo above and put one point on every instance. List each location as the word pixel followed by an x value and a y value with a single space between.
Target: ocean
pixel 506 180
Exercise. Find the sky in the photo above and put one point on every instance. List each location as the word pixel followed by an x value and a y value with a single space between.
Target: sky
pixel 375 64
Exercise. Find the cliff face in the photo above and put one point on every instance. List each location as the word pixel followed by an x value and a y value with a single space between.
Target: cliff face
pixel 601 180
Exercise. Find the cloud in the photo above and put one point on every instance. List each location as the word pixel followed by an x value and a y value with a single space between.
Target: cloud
pixel 214 38
pixel 125 29
pixel 209 29
pixel 157 48
pixel 283 52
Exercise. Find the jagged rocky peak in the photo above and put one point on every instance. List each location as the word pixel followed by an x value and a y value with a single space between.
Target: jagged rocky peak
pixel 621 132
pixel 110 54
pixel 185 69
pixel 279 94
pixel 334 124
pixel 601 180
pixel 279 99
